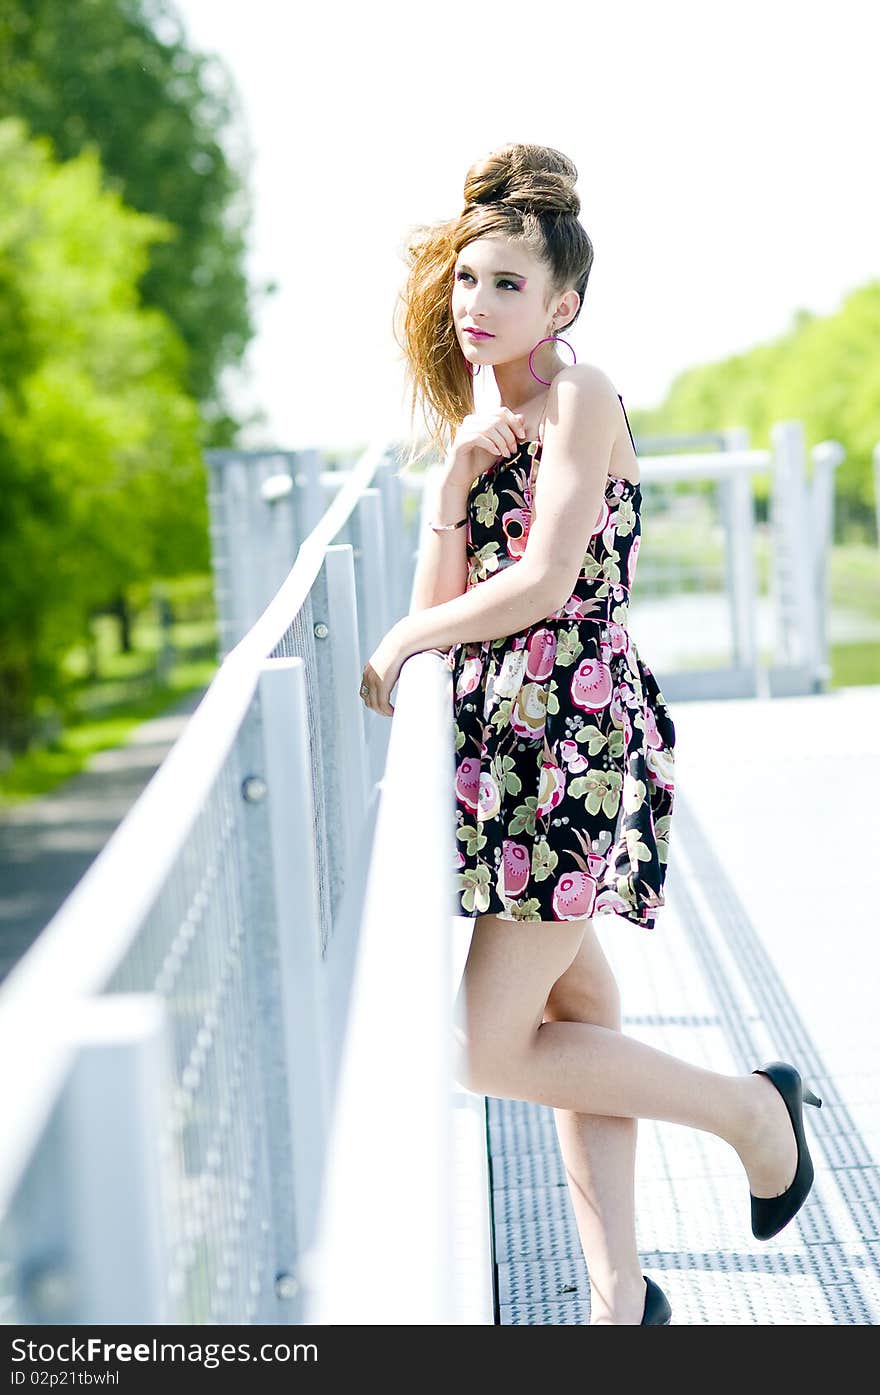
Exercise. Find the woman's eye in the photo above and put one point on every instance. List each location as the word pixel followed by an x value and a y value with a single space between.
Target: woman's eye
pixel 461 275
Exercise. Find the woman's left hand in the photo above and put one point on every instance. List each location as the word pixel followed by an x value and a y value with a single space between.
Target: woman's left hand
pixel 383 670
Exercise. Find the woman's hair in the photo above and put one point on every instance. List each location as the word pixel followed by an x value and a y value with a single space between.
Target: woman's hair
pixel 522 192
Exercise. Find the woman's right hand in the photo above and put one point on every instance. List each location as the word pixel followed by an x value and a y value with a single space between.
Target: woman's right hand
pixel 483 438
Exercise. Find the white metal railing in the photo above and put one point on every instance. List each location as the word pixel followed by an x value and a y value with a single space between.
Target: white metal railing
pixel 178 1027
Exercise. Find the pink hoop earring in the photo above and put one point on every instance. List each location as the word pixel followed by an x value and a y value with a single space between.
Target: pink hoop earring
pixel 548 340
pixel 470 370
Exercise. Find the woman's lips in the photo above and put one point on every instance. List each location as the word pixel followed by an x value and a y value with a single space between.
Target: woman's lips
pixel 479 334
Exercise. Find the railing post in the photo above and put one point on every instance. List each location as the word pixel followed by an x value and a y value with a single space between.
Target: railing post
pixel 396 571
pixel 124 1175
pixel 301 1027
pixel 793 564
pixel 371 571
pixel 738 515
pixel 343 747
pixel 827 455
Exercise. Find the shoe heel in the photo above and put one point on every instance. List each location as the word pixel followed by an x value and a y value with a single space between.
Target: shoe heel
pixel 810 1098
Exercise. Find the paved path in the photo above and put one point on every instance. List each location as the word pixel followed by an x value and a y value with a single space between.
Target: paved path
pixel 48 843
pixel 767 948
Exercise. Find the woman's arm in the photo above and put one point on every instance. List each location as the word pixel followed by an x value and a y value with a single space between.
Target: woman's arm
pixel 504 604
pixel 441 569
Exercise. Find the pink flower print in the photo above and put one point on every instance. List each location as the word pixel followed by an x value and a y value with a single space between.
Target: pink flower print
pixel 551 790
pixel 574 896
pixel 591 685
pixel 602 518
pixel 632 559
pixel 516 524
pixel 610 900
pixel 459 858
pixel 573 756
pixel 469 677
pixel 490 798
pixel 573 608
pixel 605 652
pixel 652 735
pixel 618 636
pixel 542 652
pixel 618 487
pixel 467 783
pixel 595 864
pixel 515 861
pixel 616 710
pixel 528 715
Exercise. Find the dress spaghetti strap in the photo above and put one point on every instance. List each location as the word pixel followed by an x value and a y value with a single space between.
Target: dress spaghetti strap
pixel 628 427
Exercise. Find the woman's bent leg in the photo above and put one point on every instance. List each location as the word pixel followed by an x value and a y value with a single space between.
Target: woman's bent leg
pixel 599 1151
pixel 510 1052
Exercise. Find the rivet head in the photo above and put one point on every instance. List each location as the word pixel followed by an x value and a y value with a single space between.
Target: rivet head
pixel 286 1285
pixel 254 789
pixel 321 630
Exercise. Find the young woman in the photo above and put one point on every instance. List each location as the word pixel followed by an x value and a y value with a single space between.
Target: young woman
pixel 564 744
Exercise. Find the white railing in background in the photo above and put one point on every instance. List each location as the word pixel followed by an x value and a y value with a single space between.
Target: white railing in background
pixel 179 1026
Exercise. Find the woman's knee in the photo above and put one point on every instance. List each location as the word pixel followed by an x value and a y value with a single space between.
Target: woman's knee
pixel 588 990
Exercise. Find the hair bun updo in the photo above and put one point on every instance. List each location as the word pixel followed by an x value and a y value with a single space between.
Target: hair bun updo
pixel 533 178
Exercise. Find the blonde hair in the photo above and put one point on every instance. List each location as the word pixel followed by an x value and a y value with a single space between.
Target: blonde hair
pixel 522 192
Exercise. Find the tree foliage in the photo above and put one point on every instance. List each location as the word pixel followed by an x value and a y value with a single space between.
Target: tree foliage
pixel 101 475
pixel 116 75
pixel 824 371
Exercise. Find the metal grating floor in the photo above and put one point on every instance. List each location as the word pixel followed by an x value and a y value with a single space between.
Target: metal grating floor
pixel 747 967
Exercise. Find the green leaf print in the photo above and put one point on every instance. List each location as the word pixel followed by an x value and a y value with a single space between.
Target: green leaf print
pixel 480 567
pixel 486 505
pixel 552 699
pixel 474 886
pixel 501 716
pixel 460 737
pixel 524 817
pixel 635 847
pixel 615 743
pixel 505 775
pixel 525 910
pixel 595 738
pixel 626 517
pixel 475 838
pixel 661 829
pixel 568 647
pixel 544 860
pixel 601 788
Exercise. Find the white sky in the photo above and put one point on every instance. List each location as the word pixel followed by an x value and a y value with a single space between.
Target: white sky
pixel 725 157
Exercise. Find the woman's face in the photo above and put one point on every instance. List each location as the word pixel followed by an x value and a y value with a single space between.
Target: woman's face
pixel 500 287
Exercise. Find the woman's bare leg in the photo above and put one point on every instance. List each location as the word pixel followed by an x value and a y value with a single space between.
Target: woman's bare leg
pixel 599 1151
pixel 509 1051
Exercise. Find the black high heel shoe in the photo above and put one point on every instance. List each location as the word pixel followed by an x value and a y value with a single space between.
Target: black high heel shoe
pixel 657 1310
pixel 771 1213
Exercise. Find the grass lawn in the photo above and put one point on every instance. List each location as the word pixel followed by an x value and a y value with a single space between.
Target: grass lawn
pixel 111 692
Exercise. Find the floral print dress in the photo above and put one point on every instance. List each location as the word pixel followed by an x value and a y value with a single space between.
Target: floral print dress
pixel 564 745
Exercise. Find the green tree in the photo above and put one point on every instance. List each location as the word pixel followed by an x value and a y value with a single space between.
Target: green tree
pixel 117 75
pixel 824 371
pixel 101 474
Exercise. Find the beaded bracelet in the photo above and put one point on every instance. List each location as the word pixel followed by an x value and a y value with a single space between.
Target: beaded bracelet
pixel 448 527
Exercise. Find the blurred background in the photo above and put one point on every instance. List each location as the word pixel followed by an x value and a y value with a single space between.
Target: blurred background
pixel 204 207
pixel 203 212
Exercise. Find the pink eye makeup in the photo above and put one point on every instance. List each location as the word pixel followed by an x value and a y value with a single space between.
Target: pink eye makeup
pixel 517 282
